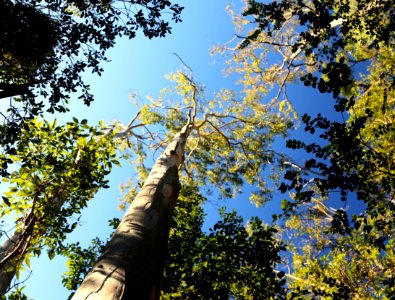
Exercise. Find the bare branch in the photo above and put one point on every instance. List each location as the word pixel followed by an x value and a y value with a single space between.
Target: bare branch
pixel 185 65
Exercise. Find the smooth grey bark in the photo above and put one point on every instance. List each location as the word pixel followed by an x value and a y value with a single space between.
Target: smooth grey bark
pixel 132 263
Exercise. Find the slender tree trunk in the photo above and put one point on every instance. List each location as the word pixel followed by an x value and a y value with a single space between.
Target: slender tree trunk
pixel 7 271
pixel 14 249
pixel 131 265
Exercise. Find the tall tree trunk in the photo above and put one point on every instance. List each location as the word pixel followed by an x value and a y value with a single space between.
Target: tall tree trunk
pixel 14 249
pixel 132 263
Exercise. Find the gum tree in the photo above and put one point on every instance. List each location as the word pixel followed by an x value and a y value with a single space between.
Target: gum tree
pixel 222 142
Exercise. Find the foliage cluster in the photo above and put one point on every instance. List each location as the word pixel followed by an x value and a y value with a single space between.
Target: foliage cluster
pixel 45 46
pixel 340 253
pixel 58 169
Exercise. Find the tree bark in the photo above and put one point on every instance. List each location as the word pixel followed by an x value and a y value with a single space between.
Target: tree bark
pixel 132 263
pixel 14 249
pixel 7 271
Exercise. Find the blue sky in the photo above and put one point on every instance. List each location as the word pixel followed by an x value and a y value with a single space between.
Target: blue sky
pixel 138 66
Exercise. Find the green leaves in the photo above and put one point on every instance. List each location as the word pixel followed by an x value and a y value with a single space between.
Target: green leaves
pixel 79 262
pixel 6 201
pixel 46 49
pixel 350 161
pixel 58 170
pixel 231 260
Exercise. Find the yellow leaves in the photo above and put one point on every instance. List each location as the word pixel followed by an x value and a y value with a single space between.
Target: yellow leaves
pixel 37 123
pixel 123 145
pixel 184 86
pixel 129 190
pixel 27 260
pixel 293 222
pixel 255 65
pixel 223 98
pixel 23 193
pixel 256 199
pixel 82 141
pixel 148 116
pixel 282 105
pixel 233 169
pixel 17 202
pixel 73 9
pixel 238 21
pixel 249 229
pixel 252 95
pixel 145 114
pixel 212 176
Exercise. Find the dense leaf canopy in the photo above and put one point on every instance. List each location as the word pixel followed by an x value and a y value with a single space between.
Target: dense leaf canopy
pixel 45 46
pixel 354 159
pixel 59 168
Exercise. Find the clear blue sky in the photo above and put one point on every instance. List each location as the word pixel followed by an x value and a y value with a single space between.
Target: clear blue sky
pixel 138 66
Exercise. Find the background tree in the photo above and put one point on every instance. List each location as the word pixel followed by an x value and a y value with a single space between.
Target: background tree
pixel 59 168
pixel 353 159
pixel 350 46
pixel 231 260
pixel 131 262
pixel 328 263
pixel 47 45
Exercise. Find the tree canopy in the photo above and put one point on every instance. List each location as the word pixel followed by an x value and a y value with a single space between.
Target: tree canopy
pixel 60 168
pixel 47 45
pixel 347 45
